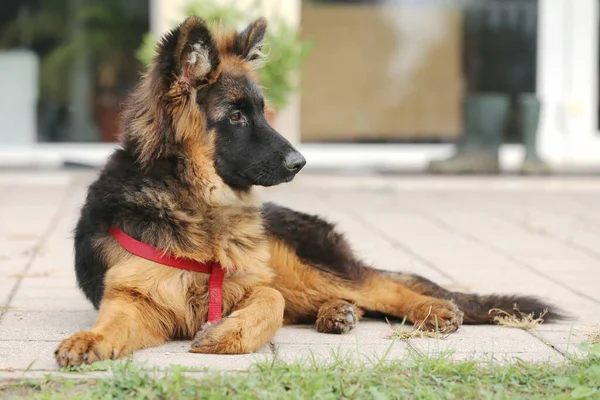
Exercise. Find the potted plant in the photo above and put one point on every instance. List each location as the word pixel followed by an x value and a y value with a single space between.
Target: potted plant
pixel 284 49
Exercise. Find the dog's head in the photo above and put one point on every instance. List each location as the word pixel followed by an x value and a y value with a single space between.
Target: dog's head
pixel 201 100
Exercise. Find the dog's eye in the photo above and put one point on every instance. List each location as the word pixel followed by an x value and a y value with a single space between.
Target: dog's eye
pixel 236 117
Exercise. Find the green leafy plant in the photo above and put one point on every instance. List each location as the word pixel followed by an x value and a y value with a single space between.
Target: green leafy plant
pixel 286 55
pixel 285 50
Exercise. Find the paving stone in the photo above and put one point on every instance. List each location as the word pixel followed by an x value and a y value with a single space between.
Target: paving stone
pixel 366 354
pixel 75 301
pixel 8 279
pixel 548 257
pixel 200 361
pixel 62 289
pixel 20 374
pixel 505 235
pixel 32 354
pixel 365 332
pixel 528 356
pixel 183 346
pixel 485 340
pixel 567 342
pixel 44 325
pixel 48 278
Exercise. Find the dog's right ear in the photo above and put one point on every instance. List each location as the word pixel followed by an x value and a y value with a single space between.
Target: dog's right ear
pixel 189 54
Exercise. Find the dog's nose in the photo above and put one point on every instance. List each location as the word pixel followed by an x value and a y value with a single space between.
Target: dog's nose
pixel 294 161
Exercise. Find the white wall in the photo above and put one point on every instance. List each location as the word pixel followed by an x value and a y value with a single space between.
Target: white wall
pixel 568 81
pixel 19 70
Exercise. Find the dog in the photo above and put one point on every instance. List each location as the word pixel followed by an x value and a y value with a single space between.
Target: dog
pixel 194 144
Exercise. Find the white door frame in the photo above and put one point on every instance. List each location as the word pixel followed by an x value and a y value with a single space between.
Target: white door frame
pixel 581 86
pixel 567 81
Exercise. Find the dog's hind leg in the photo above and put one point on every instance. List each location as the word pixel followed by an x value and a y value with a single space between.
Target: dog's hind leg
pixel 248 328
pixel 382 294
pixel 315 264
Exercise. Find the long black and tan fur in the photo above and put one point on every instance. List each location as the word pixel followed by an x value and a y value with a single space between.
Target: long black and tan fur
pixel 194 144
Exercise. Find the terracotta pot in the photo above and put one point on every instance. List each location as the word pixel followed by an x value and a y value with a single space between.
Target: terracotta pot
pixel 107 115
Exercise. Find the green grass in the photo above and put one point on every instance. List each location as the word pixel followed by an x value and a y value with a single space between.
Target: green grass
pixel 415 378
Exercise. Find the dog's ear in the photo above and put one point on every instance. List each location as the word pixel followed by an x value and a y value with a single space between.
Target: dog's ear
pixel 248 43
pixel 189 52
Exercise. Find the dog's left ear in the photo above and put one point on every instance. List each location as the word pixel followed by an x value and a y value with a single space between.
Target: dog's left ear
pixel 196 56
pixel 248 43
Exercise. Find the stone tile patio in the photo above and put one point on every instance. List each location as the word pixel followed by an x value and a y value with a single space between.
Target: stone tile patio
pixel 537 236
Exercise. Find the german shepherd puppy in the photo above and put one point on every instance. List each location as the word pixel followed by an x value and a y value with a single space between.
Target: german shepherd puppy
pixel 194 143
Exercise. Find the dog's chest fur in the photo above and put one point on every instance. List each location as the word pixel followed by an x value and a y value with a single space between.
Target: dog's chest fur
pixel 209 224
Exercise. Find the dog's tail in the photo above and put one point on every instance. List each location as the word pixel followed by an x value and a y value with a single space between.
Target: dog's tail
pixel 482 309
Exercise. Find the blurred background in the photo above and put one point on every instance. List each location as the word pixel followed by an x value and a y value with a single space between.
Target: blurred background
pixel 389 85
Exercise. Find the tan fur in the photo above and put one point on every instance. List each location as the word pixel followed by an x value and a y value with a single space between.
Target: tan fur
pixel 306 290
pixel 145 304
pixel 338 316
pixel 254 322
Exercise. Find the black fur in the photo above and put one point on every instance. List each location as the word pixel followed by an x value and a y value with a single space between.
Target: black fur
pixel 164 59
pixel 248 151
pixel 314 240
pixel 127 193
pixel 108 205
pixel 201 34
pixel 139 198
pixel 477 307
pixel 89 266
pixel 317 243
pixel 250 38
pixel 170 63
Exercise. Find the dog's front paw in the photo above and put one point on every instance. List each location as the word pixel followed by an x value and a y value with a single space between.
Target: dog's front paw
pixel 83 348
pixel 338 317
pixel 223 337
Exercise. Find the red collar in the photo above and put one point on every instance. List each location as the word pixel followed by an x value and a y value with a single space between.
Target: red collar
pixel 217 274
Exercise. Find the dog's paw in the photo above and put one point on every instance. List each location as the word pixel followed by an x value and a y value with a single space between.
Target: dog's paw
pixel 223 337
pixel 83 348
pixel 338 317
pixel 438 315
